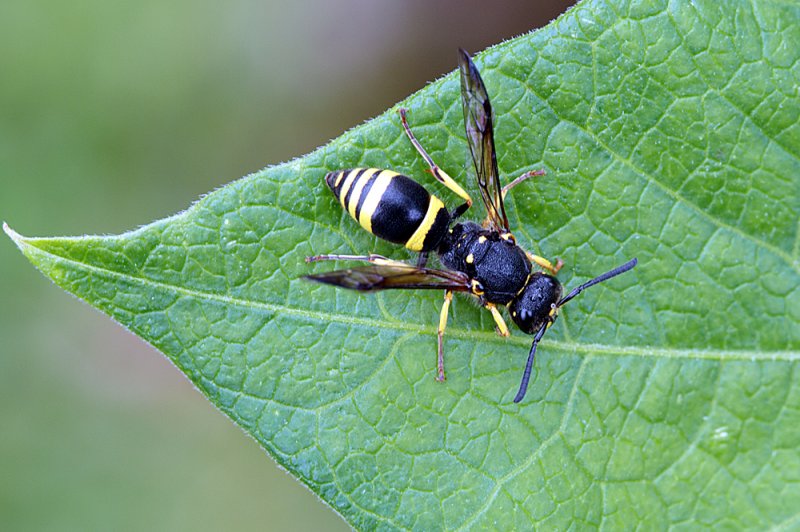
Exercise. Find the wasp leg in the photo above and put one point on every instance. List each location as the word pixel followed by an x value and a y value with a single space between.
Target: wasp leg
pixel 422 260
pixel 373 258
pixel 520 179
pixel 502 328
pixel 544 263
pixel 448 297
pixel 487 222
pixel 437 172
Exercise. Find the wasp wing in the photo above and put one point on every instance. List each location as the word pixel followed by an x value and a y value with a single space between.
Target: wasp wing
pixel 384 277
pixel 480 138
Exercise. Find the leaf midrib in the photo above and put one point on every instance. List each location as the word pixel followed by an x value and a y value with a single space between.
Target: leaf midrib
pixel 484 336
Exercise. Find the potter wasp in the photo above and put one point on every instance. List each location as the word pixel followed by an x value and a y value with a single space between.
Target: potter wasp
pixel 481 260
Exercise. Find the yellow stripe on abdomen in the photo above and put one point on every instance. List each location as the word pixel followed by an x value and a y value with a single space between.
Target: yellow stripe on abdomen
pixel 417 240
pixel 373 198
pixel 358 188
pixel 339 178
pixel 348 182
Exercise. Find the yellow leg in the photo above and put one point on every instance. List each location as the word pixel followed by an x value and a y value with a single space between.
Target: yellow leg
pixel 544 263
pixel 520 179
pixel 448 297
pixel 502 328
pixel 437 172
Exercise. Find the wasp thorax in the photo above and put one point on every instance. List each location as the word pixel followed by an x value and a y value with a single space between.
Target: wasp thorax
pixel 532 308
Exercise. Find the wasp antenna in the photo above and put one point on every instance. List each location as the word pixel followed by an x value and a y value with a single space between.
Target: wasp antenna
pixel 526 376
pixel 605 277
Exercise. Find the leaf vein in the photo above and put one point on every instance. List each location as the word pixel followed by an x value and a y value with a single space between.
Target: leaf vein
pixel 484 336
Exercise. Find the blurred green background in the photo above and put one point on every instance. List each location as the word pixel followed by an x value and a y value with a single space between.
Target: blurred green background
pixel 114 114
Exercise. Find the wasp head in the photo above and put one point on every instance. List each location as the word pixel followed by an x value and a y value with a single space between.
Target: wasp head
pixel 537 304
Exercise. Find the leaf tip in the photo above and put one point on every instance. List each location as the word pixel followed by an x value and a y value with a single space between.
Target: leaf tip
pixel 23 243
pixel 18 239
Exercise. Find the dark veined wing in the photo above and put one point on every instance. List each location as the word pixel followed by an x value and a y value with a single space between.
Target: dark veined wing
pixel 384 277
pixel 480 138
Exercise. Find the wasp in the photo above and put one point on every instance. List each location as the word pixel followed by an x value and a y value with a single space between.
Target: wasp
pixel 482 260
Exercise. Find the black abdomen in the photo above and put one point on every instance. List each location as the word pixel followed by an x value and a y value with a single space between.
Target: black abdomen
pixel 391 206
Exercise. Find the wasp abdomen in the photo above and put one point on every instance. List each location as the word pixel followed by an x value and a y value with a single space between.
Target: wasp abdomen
pixel 391 206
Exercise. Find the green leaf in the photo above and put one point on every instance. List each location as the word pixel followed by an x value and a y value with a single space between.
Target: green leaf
pixel 668 396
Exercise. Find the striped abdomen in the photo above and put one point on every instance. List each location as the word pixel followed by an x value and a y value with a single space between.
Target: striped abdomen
pixel 391 206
